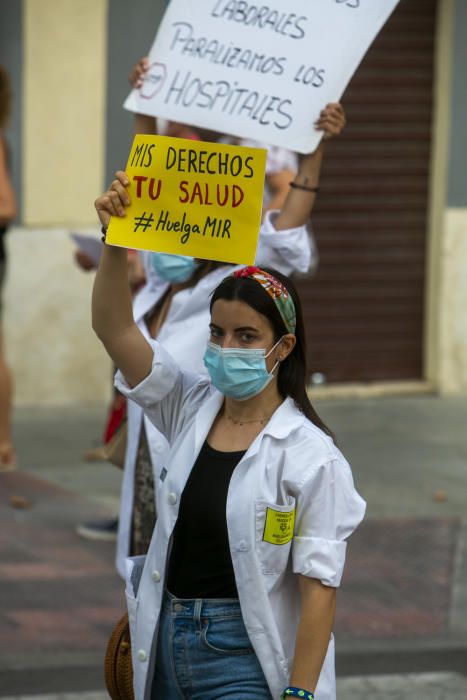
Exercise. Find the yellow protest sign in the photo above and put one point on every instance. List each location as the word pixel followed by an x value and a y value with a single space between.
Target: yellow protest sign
pixel 192 198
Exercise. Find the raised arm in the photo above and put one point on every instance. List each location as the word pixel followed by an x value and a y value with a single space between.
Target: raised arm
pixel 278 184
pixel 301 198
pixel 142 123
pixel 112 314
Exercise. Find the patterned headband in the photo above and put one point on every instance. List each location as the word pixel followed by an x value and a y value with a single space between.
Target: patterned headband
pixel 277 292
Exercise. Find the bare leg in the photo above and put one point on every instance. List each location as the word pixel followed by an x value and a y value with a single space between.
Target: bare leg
pixel 7 453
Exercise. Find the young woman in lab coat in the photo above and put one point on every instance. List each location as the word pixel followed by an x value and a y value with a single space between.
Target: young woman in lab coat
pixel 236 596
pixel 173 307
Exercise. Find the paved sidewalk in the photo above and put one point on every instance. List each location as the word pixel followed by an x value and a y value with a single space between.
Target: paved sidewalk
pixel 60 595
pixel 60 696
pixel 403 605
pixel 427 686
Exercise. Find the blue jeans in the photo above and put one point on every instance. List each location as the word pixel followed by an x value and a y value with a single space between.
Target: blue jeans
pixel 204 653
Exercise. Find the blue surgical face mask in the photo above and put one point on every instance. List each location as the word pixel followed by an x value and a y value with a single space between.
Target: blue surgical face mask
pixel 240 373
pixel 173 268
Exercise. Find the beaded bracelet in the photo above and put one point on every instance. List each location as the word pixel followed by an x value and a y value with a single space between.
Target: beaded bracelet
pixel 104 233
pixel 296 186
pixel 292 692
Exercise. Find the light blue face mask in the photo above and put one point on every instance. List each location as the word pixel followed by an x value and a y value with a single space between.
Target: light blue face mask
pixel 173 268
pixel 240 373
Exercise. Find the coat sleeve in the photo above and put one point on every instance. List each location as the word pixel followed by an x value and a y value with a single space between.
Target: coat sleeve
pixel 327 512
pixel 289 251
pixel 168 395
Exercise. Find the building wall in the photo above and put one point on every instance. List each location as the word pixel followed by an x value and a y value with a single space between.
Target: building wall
pixel 11 42
pixel 54 355
pixel 451 252
pixel 453 326
pixel 64 53
pixel 69 63
pixel 457 173
pixel 53 352
pixel 365 307
pixel 130 35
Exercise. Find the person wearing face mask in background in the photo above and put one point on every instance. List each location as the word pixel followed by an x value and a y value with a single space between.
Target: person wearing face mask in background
pixel 173 307
pixel 173 268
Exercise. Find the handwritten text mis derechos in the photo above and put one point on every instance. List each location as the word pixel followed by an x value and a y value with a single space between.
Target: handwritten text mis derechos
pixel 199 192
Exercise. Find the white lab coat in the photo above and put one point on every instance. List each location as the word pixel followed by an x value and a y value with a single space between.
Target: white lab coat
pixel 291 466
pixel 184 334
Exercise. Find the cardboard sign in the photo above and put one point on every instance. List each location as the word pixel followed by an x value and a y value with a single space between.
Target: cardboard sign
pixel 192 198
pixel 261 71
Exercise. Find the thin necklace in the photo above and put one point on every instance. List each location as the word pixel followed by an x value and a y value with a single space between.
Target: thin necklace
pixel 244 422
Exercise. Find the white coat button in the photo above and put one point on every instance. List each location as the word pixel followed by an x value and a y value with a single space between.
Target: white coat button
pixel 142 656
pixel 159 448
pixel 242 546
pixel 156 576
pixel 172 498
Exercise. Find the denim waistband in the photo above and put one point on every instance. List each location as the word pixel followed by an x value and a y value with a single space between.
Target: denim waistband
pixel 195 608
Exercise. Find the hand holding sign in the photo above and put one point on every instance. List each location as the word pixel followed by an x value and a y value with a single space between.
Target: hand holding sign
pixel 147 77
pixel 114 200
pixel 154 81
pixel 138 72
pixel 191 198
pixel 331 120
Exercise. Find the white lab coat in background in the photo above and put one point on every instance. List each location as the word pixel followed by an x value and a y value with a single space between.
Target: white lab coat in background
pixel 185 334
pixel 291 466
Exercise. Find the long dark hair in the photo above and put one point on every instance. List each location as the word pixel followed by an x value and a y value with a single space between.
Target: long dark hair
pixel 205 267
pixel 291 379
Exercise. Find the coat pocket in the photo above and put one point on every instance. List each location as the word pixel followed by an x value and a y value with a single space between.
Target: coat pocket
pixel 274 526
pixel 227 636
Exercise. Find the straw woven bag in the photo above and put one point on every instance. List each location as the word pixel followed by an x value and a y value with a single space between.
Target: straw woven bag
pixel 118 668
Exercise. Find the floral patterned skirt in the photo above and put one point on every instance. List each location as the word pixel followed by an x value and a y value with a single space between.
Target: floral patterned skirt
pixel 144 506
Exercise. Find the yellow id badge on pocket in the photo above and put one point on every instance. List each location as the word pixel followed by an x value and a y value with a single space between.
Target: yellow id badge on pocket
pixel 279 526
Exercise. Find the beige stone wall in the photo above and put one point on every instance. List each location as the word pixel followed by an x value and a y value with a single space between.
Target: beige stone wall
pixel 63 101
pixel 453 304
pixel 437 201
pixel 54 355
pixel 446 276
pixel 51 348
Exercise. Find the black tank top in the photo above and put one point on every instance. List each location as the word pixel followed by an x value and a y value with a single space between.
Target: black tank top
pixel 200 563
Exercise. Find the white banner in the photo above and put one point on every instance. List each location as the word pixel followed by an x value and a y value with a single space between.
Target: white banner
pixel 257 71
